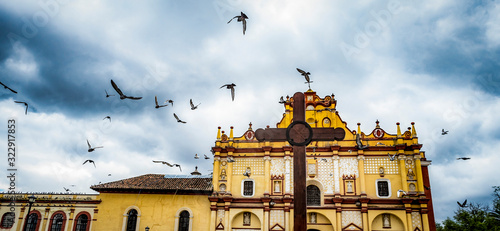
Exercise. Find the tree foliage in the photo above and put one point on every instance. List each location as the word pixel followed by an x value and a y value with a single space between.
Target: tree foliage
pixel 475 217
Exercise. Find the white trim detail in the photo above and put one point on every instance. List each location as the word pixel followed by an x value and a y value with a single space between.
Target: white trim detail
pixel 177 215
pixel 243 187
pixel 125 216
pixel 388 185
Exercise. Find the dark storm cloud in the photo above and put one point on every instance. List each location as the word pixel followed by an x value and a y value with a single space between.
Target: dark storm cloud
pixel 463 56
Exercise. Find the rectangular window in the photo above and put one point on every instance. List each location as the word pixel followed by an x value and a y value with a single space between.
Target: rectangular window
pixel 383 188
pixel 248 188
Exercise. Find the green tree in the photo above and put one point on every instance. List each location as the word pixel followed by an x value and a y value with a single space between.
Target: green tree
pixel 475 217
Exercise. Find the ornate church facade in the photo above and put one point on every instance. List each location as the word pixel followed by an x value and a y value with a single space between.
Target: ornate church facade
pixel 369 180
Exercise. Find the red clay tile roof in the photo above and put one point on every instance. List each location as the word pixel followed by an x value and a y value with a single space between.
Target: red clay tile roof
pixel 159 183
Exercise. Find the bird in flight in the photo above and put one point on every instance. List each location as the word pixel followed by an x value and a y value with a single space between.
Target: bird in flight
pixel 179 120
pixel 192 105
pixel 159 106
pixel 107 95
pixel 196 156
pixel 443 132
pixel 91 149
pixel 122 96
pixel 462 205
pixel 5 86
pixel 66 189
pixel 89 161
pixel 206 157
pixel 241 18
pixel 463 158
pixel 358 142
pixel 401 192
pixel 168 164
pixel 393 157
pixel 230 86
pixel 306 75
pixel 230 160
pixel 170 102
pixel 107 117
pixel 282 100
pixel 25 104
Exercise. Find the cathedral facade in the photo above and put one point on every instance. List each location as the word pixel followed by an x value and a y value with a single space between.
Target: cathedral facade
pixel 368 180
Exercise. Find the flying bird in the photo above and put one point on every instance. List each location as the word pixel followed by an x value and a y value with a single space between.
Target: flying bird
pixel 462 205
pixel 179 120
pixel 66 189
pixel 306 76
pixel 230 160
pixel 5 86
pixel 107 95
pixel 196 156
pixel 159 106
pixel 91 149
pixel 168 164
pixel 122 96
pixel 89 161
pixel 401 192
pixel 443 132
pixel 170 102
pixel 107 117
pixel 463 158
pixel 206 157
pixel 241 18
pixel 358 142
pixel 393 157
pixel 282 100
pixel 25 104
pixel 192 105
pixel 230 86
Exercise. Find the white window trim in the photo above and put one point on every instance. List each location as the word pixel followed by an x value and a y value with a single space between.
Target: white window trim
pixel 125 217
pixel 388 185
pixel 177 216
pixel 243 187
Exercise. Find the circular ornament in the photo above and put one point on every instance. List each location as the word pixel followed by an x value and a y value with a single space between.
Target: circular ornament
pixel 378 133
pixel 301 132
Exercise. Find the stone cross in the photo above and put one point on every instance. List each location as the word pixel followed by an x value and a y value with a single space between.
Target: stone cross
pixel 299 134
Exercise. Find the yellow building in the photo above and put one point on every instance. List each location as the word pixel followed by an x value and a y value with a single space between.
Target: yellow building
pixel 369 180
pixel 50 211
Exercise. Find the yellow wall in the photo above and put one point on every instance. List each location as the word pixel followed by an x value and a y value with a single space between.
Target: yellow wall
pixel 157 211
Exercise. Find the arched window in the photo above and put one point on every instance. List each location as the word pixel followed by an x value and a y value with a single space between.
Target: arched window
pixel 82 222
pixel 31 225
pixel 184 221
pixel 132 220
pixel 313 195
pixel 8 220
pixel 57 222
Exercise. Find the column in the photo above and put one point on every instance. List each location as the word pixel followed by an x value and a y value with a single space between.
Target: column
pixel 288 179
pixel 215 174
pixel 420 179
pixel 45 218
pixel 336 173
pixel 229 177
pixel 361 170
pixel 402 168
pixel 267 173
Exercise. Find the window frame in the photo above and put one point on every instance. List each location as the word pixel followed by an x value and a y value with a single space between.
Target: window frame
pixel 4 220
pixel 307 195
pixel 243 187
pixel 51 221
pixel 388 188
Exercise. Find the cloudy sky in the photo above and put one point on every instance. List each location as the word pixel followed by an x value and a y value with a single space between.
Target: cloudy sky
pixel 435 63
